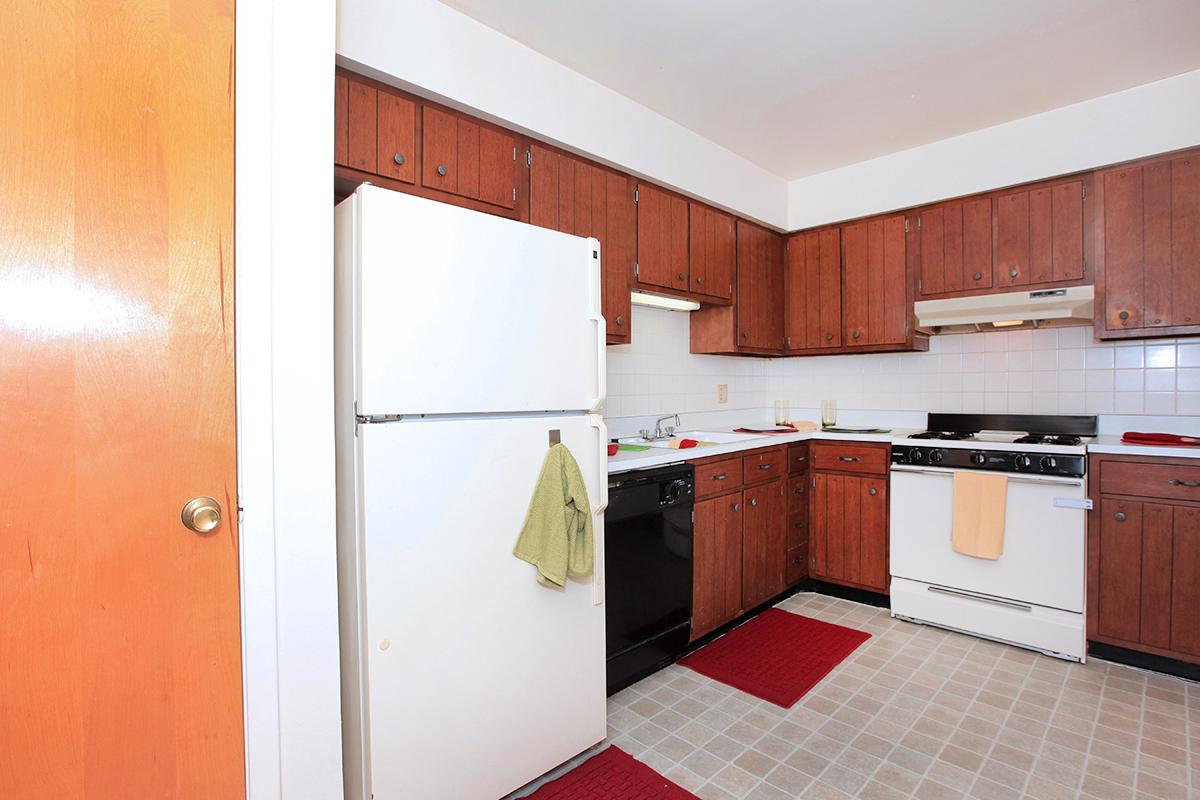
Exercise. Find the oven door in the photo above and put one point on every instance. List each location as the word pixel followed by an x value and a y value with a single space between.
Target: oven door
pixel 1044 538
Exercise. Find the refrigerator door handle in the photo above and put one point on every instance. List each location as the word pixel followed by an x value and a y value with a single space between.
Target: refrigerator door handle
pixel 597 316
pixel 597 422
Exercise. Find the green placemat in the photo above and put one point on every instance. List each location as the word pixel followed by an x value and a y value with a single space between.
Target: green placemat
pixel 634 448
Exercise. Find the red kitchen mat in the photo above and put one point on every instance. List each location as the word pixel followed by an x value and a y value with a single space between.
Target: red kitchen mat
pixel 611 774
pixel 777 656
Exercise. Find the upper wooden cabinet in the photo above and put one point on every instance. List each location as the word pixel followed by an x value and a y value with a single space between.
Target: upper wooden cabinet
pixel 468 158
pixel 877 302
pixel 713 252
pixel 1148 249
pixel 955 252
pixel 662 240
pixel 396 137
pixel 574 196
pixel 813 294
pixel 1040 234
pixel 759 287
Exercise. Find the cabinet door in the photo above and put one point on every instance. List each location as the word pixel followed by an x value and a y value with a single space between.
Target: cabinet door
pixel 1151 244
pixel 617 252
pixel 662 239
pixel 814 290
pixel 849 530
pixel 1039 235
pixel 544 167
pixel 716 563
pixel 439 149
pixel 826 543
pixel 764 543
pixel 361 130
pixel 713 251
pixel 496 168
pixel 1119 583
pixel 956 247
pixel 875 256
pixel 396 137
pixel 341 120
pixel 873 546
pixel 759 287
pixel 1185 582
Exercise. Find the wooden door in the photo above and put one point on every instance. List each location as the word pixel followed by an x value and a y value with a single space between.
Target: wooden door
pixel 873 547
pixel 828 526
pixel 396 137
pixel 1185 581
pixel 1119 580
pixel 496 167
pixel 876 258
pixel 361 127
pixel 662 239
pixel 120 652
pixel 713 251
pixel 439 149
pixel 956 247
pixel 717 563
pixel 814 290
pixel 849 530
pixel 759 287
pixel 764 543
pixel 617 253
pixel 1039 235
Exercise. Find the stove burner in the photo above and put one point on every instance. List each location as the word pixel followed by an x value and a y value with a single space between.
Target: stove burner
pixel 950 435
pixel 1066 440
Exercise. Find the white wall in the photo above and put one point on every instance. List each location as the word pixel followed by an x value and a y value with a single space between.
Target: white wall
pixel 437 51
pixel 1154 118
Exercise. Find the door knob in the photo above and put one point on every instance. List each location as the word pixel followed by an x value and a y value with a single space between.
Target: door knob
pixel 201 514
pixel 1119 516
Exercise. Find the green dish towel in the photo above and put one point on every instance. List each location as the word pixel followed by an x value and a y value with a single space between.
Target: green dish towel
pixel 633 448
pixel 557 535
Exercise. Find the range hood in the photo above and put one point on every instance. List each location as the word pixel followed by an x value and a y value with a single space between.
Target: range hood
pixel 1009 311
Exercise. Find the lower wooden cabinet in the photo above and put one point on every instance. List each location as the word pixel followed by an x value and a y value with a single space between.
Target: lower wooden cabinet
pixel 764 543
pixel 849 536
pixel 717 562
pixel 1144 559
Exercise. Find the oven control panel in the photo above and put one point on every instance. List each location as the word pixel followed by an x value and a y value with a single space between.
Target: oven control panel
pixel 1066 465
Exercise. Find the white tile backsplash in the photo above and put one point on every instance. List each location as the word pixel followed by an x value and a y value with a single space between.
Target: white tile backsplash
pixel 1058 371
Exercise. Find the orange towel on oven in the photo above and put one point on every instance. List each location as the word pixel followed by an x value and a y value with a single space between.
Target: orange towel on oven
pixel 978 528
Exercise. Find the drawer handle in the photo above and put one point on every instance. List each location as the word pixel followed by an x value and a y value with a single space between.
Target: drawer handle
pixel 798 526
pixel 798 490
pixel 765 466
pixel 800 459
pixel 849 459
pixel 720 477
pixel 1189 484
pixel 797 560
pixel 1119 516
pixel 754 501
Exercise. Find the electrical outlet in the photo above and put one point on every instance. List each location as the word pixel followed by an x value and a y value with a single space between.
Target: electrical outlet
pixel 722 392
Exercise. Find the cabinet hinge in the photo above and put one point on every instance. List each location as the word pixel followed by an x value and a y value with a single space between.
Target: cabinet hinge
pixel 788 341
pixel 514 194
pixel 529 158
pixel 637 270
pixel 1085 266
pixel 514 152
pixel 906 328
pixel 906 224
pixel 1084 193
pixel 918 284
pixel 635 196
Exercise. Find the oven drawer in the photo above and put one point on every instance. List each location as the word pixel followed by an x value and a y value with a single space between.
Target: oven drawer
pixel 864 459
pixel 1145 479
pixel 718 477
pixel 763 464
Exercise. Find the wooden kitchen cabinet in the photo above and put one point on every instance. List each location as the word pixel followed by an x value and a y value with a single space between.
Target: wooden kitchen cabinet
pixel 955 253
pixel 396 137
pixel 877 302
pixel 813 290
pixel 754 323
pixel 849 523
pixel 799 493
pixel 466 157
pixel 361 132
pixel 713 253
pixel 1039 234
pixel 574 196
pixel 1144 557
pixel 662 240
pixel 341 120
pixel 1148 248
pixel 717 562
pixel 764 543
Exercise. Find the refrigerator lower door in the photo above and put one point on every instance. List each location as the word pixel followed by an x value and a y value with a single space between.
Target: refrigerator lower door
pixel 462 312
pixel 478 678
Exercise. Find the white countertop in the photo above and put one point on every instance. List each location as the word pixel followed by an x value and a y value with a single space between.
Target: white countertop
pixel 661 456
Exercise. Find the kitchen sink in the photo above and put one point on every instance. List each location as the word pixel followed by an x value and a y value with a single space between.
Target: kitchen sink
pixel 710 437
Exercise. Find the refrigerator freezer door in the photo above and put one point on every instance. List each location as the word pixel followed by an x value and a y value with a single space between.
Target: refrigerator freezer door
pixel 462 312
pixel 478 678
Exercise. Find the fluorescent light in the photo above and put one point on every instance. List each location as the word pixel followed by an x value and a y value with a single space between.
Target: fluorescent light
pixel 658 301
pixel 1008 323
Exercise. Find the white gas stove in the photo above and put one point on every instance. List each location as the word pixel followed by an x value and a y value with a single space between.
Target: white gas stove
pixel 1033 594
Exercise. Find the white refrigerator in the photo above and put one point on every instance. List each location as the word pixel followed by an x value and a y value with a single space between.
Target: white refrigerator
pixel 465 344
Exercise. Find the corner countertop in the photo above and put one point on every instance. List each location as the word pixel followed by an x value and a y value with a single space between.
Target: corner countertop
pixel 661 456
pixel 1112 445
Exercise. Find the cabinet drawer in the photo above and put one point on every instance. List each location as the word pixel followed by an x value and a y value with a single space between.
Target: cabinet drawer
pixel 1150 480
pixel 763 464
pixel 797 566
pixel 851 458
pixel 717 477
pixel 798 494
pixel 797 530
pixel 797 458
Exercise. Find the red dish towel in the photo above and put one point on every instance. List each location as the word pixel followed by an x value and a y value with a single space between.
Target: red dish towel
pixel 1168 439
pixel 777 656
pixel 612 774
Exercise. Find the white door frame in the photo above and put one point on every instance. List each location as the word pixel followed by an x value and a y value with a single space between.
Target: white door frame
pixel 284 307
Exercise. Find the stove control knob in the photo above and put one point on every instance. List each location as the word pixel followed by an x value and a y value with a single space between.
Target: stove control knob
pixel 978 458
pixel 915 455
pixel 936 456
pixel 1048 463
pixel 1023 462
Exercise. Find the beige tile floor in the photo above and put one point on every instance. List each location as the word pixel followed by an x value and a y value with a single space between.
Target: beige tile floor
pixel 920 712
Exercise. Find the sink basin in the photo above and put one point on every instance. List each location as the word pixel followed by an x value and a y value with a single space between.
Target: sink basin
pixel 709 437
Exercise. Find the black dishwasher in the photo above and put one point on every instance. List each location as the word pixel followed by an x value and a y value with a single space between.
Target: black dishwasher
pixel 648 570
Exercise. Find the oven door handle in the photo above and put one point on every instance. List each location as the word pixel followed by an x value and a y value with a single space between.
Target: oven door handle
pixel 949 473
pixel 981 598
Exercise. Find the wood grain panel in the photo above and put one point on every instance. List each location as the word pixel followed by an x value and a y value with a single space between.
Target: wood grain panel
pixel 1155 263
pixel 718 477
pixel 1150 479
pixel 120 652
pixel 894 302
pixel 1067 244
pixel 543 187
pixel 1155 623
pixel 873 550
pixel 341 120
pixel 937 226
pixel 717 563
pixel 977 244
pixel 1012 239
pixel 1185 239
pixel 1185 582
pixel 439 149
pixel 1119 592
pixel 856 255
pixel 617 254
pixel 467 152
pixel 1124 296
pixel 662 239
pixel 497 167
pixel 1041 236
pixel 851 457
pixel 951 236
pixel 852 530
pixel 397 137
pixel 362 124
pixel 829 271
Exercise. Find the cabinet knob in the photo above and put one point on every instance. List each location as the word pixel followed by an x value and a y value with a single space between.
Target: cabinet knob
pixel 829 337
pixel 441 170
pixel 745 334
pixel 754 501
pixel 872 491
pixel 1012 273
pixel 1124 315
pixel 399 158
pixel 620 320
pixel 1119 516
pixel 700 280
pixel 737 507
pixel 682 276
pixel 856 334
pixel 978 276
pixel 798 526
pixel 798 490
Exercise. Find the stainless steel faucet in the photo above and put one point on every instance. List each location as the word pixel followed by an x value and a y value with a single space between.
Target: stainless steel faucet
pixel 659 431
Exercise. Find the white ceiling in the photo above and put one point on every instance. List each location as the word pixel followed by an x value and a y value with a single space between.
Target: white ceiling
pixel 803 86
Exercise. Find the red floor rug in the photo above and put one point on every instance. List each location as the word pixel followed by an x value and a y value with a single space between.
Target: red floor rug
pixel 777 656
pixel 612 774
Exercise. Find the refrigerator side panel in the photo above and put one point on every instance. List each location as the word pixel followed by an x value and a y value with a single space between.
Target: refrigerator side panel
pixel 463 312
pixel 459 629
pixel 349 551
